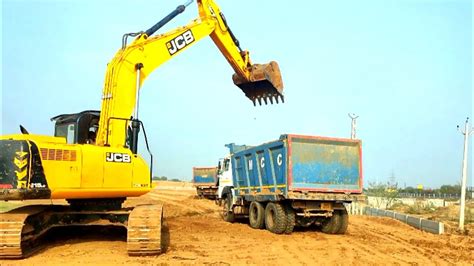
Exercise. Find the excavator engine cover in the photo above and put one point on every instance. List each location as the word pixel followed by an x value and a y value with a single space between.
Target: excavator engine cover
pixel 265 83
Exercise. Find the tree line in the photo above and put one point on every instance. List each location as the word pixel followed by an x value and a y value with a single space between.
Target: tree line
pixel 164 178
pixel 392 189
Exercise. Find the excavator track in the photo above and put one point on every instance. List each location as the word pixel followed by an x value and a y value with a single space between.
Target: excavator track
pixel 17 239
pixel 21 229
pixel 144 230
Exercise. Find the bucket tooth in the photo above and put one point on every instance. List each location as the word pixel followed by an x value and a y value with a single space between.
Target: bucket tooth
pixel 265 99
pixel 271 99
pixel 259 101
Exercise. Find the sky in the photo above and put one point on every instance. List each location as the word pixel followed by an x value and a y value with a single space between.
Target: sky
pixel 403 66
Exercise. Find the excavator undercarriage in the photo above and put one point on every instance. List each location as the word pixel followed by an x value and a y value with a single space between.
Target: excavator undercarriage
pixel 22 229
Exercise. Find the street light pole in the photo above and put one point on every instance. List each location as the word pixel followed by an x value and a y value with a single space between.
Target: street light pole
pixel 462 204
pixel 353 125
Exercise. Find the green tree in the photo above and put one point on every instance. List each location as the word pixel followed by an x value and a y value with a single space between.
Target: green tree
pixel 449 189
pixel 384 193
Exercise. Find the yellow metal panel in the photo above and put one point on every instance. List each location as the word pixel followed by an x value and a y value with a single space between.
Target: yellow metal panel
pixel 97 193
pixel 118 168
pixel 62 173
pixel 92 166
pixel 141 173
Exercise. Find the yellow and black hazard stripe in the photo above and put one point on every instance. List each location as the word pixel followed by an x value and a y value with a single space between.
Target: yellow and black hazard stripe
pixel 21 162
pixel 21 171
pixel 14 164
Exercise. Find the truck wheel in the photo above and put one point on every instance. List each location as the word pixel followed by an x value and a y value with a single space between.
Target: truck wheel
pixel 275 218
pixel 256 215
pixel 290 219
pixel 226 209
pixel 344 216
pixel 331 224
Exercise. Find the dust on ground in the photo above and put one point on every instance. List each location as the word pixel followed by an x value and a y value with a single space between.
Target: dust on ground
pixel 195 234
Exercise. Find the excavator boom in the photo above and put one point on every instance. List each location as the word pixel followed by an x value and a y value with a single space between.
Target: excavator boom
pixel 135 61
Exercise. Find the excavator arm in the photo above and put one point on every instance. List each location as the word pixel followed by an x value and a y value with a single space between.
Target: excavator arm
pixel 134 62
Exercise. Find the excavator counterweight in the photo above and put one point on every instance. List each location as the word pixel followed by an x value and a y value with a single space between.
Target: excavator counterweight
pixel 265 83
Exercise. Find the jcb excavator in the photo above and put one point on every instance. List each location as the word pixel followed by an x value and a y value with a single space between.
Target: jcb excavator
pixel 92 161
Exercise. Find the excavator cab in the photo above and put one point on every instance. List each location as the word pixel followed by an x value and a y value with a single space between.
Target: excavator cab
pixel 265 83
pixel 79 128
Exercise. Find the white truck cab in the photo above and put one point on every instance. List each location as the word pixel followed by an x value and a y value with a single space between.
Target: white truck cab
pixel 224 177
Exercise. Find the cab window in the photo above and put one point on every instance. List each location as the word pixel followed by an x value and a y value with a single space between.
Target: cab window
pixel 226 164
pixel 66 131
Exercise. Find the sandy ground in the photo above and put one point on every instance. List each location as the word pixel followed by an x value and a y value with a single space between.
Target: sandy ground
pixel 195 234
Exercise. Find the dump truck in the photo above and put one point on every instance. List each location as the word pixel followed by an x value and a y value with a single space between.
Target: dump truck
pixel 205 181
pixel 293 181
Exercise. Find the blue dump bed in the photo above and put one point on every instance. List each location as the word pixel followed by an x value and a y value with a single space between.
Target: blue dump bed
pixel 296 163
pixel 205 176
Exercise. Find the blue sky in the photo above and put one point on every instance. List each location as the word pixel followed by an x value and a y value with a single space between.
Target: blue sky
pixel 405 67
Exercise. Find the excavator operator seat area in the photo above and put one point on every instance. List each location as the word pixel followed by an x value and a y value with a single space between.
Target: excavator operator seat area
pixel 79 128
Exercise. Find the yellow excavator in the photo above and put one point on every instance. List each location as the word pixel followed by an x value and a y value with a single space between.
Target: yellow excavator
pixel 92 160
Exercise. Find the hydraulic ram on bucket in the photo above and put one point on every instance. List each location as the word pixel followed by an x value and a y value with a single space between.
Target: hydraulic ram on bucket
pixel 258 81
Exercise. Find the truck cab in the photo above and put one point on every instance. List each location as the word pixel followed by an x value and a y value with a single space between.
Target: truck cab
pixel 225 183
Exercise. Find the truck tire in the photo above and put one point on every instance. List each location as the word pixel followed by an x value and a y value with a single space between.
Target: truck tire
pixel 275 218
pixel 256 215
pixel 331 224
pixel 290 219
pixel 227 213
pixel 344 216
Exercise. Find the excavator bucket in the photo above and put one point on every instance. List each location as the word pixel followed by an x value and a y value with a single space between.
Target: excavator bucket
pixel 265 83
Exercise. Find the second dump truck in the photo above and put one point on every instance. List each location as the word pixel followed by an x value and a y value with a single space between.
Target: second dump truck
pixel 205 181
pixel 295 180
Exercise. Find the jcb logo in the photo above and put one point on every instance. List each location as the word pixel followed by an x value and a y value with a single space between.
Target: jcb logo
pixel 118 157
pixel 179 42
